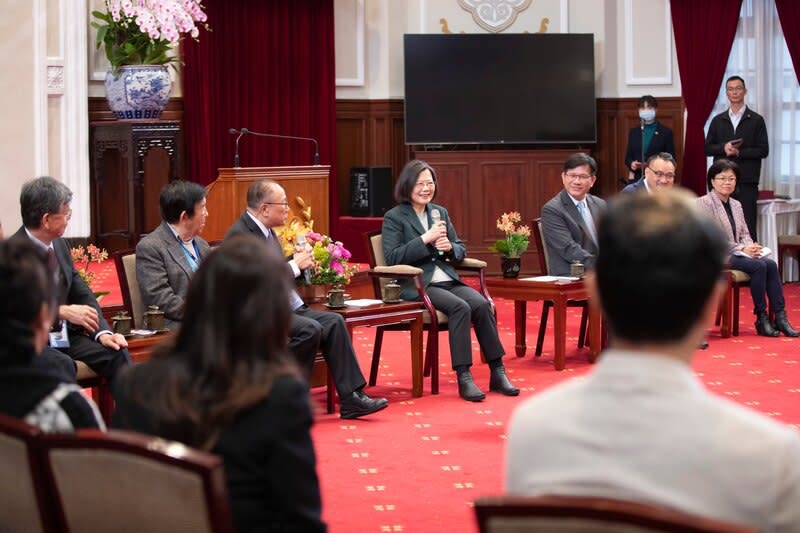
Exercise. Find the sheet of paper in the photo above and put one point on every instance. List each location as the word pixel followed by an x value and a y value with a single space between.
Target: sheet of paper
pixel 549 278
pixel 362 302
pixel 764 252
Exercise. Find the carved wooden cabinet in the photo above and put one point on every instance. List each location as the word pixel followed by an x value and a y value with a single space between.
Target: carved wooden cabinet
pixel 130 163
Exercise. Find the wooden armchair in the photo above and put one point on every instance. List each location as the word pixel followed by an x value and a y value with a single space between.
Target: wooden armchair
pixel 434 321
pixel 126 482
pixel 125 261
pixel 544 268
pixel 573 514
pixel 25 503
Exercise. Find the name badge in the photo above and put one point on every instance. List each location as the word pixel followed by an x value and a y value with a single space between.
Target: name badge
pixel 60 338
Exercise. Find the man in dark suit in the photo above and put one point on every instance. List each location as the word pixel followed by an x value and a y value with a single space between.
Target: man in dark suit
pixel 659 173
pixel 569 218
pixel 740 134
pixel 267 208
pixel 80 332
pixel 167 257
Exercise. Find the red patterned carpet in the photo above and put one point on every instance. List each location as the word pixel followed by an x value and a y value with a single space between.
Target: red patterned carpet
pixel 418 465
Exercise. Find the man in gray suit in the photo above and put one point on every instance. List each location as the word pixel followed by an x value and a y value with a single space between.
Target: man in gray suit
pixel 569 218
pixel 167 258
pixel 642 426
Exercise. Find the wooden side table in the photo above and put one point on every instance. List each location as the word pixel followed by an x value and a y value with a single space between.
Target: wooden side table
pixel 558 292
pixel 382 314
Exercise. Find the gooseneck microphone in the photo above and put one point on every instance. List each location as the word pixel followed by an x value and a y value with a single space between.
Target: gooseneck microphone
pixel 291 137
pixel 242 132
pixel 436 217
pixel 300 242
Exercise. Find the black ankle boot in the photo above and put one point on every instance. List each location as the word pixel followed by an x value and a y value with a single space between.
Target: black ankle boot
pixel 764 326
pixel 782 324
pixel 499 382
pixel 467 388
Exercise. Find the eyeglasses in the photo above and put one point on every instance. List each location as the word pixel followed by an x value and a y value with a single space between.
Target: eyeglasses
pixel 660 174
pixel 284 204
pixel 421 185
pixel 726 179
pixel 577 177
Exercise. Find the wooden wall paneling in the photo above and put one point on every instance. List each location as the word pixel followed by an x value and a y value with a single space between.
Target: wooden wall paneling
pixel 615 118
pixel 351 146
pixel 453 192
pixel 495 182
pixel 380 140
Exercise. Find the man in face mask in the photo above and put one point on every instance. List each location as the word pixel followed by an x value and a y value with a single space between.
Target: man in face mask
pixel 647 139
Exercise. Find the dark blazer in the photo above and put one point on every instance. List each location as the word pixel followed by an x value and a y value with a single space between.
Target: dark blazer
pixel 73 290
pixel 247 226
pixel 402 245
pixel 270 464
pixel 566 237
pixel 637 185
pixel 662 141
pixel 164 273
pixel 755 142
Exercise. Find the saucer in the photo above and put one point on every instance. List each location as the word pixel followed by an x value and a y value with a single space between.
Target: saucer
pixel 329 306
pixel 393 301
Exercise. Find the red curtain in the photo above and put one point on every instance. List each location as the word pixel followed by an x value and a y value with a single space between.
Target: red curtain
pixel 266 65
pixel 789 15
pixel 704 33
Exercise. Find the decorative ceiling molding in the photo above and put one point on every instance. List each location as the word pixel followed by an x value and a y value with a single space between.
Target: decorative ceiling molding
pixel 494 15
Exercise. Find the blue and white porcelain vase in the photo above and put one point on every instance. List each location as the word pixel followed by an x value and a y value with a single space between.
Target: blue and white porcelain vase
pixel 138 91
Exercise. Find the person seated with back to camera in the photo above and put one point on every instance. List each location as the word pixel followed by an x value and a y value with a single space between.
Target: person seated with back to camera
pixel 641 426
pixel 743 253
pixel 412 235
pixel 34 394
pixel 226 383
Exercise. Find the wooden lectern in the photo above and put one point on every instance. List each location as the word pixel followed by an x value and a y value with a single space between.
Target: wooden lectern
pixel 227 195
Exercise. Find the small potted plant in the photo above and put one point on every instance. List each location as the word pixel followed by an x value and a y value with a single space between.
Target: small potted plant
pixel 513 245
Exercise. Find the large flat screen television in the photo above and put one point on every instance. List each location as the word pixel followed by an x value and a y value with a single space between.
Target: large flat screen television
pixel 499 89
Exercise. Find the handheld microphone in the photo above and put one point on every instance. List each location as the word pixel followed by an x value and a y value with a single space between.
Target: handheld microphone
pixel 300 242
pixel 292 137
pixel 436 217
pixel 242 132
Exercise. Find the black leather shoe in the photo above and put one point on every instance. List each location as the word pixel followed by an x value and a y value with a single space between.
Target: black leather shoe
pixel 359 404
pixel 782 324
pixel 467 388
pixel 499 382
pixel 764 326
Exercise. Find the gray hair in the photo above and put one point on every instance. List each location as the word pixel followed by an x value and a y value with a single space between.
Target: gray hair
pixel 41 196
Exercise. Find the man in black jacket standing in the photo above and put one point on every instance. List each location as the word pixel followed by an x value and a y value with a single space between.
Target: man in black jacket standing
pixel 739 134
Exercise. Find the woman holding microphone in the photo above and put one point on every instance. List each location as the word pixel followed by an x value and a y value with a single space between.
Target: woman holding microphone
pixel 418 232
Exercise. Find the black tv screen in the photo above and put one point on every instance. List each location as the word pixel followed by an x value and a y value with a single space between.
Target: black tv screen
pixel 499 88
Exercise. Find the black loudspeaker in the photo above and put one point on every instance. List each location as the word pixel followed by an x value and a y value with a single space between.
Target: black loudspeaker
pixel 370 191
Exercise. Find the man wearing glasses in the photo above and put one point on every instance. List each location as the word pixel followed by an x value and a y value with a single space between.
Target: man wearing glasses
pixel 80 333
pixel 659 174
pixel 740 135
pixel 569 218
pixel 309 329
